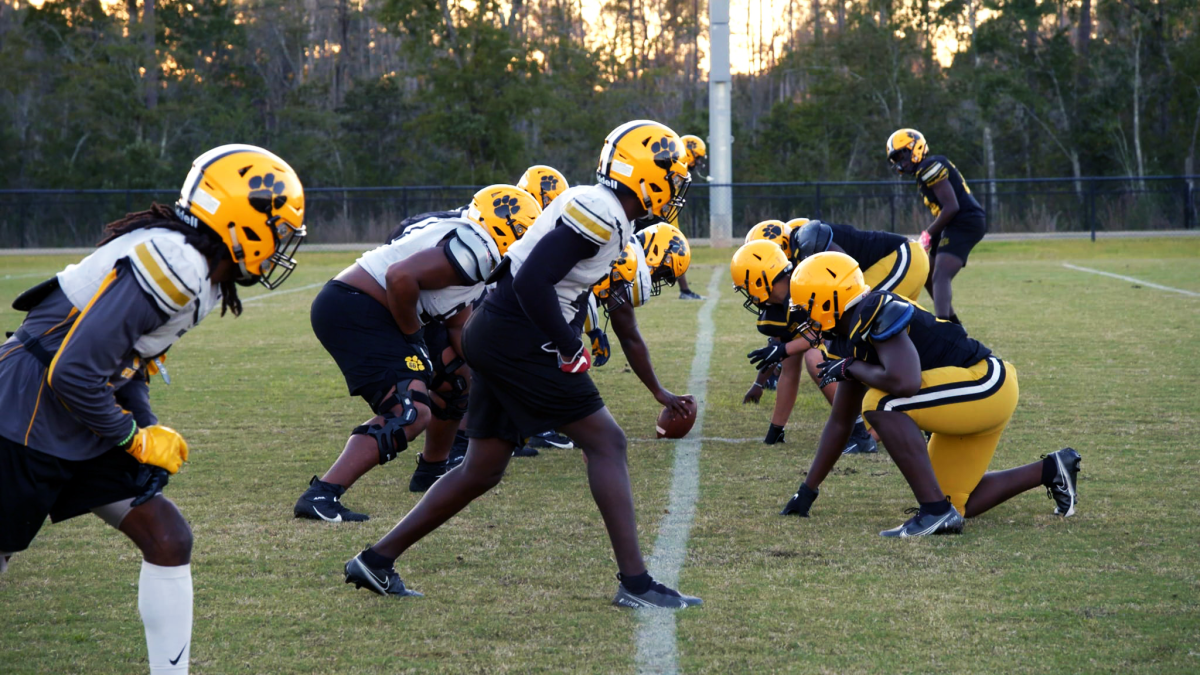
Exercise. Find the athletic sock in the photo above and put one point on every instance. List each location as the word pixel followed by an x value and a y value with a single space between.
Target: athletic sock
pixel 373 559
pixel 636 584
pixel 1049 471
pixel 165 603
pixel 937 508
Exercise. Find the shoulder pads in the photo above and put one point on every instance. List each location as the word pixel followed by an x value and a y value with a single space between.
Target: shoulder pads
pixel 894 316
pixel 590 214
pixel 472 253
pixel 170 272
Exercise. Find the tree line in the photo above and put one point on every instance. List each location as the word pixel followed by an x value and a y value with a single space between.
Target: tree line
pixel 125 94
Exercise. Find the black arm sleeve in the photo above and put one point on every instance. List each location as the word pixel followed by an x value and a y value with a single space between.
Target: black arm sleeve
pixel 549 261
pixel 135 397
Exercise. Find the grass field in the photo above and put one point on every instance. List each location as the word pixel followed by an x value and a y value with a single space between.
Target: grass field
pixel 521 581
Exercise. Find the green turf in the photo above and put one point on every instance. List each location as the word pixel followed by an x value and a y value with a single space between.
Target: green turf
pixel 521 580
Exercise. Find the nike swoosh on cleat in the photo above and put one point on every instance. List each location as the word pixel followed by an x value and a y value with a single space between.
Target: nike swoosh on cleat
pixel 178 656
pixel 336 519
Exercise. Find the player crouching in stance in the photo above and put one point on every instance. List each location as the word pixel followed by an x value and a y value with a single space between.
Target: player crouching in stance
pixel 760 271
pixel 77 433
pixel 375 317
pixel 659 255
pixel 529 364
pixel 918 373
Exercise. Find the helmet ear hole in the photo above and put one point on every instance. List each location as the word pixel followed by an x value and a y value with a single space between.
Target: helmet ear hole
pixel 825 306
pixel 250 234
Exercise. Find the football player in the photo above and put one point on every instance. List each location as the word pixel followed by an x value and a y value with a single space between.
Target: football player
pixel 760 272
pixel 958 220
pixel 890 262
pixel 374 319
pixel 78 433
pixel 918 373
pixel 657 256
pixel 529 363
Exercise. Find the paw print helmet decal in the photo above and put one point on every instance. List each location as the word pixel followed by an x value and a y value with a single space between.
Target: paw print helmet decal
pixel 254 201
pixel 772 230
pixel 695 153
pixel 668 254
pixel 645 159
pixel 505 212
pixel 622 274
pixel 545 183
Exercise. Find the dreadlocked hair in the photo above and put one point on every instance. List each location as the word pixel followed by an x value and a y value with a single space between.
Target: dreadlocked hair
pixel 203 239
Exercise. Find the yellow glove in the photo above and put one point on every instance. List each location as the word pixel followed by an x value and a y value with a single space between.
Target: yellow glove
pixel 159 446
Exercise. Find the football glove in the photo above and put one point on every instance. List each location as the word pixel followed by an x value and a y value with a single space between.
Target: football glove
pixel 834 371
pixel 155 482
pixel 159 446
pixel 800 502
pixel 600 347
pixel 579 363
pixel 774 435
pixel 764 358
pixel 926 240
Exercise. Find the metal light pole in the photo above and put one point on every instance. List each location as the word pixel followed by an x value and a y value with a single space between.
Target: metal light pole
pixel 719 139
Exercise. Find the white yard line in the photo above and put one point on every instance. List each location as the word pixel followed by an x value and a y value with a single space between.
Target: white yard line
pixel 657 651
pixel 276 294
pixel 28 275
pixel 1131 280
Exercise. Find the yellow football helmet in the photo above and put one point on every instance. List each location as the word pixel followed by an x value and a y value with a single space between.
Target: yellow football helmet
pixel 772 230
pixel 645 159
pixel 545 183
pixel 695 152
pixel 504 212
pixel 755 268
pixel 906 139
pixel 254 201
pixel 826 285
pixel 797 222
pixel 623 272
pixel 668 254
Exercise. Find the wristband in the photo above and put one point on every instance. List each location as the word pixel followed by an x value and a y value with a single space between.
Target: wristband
pixel 128 441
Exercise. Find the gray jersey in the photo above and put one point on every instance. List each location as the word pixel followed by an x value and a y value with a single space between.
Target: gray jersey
pixel 94 391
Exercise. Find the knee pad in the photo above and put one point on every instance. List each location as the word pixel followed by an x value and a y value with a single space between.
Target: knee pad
pixel 390 436
pixel 456 398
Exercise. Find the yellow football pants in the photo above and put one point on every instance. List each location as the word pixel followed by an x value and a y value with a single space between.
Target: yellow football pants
pixel 966 409
pixel 902 271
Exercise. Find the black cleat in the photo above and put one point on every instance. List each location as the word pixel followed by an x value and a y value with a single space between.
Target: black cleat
pixel 458 451
pixel 800 502
pixel 924 524
pixel 657 596
pixel 1062 488
pixel 322 501
pixel 544 441
pixel 690 295
pixel 860 441
pixel 427 473
pixel 378 580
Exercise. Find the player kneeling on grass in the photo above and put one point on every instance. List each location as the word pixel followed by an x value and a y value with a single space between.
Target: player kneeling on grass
pixel 760 271
pixel 529 364
pixel 631 283
pixel 918 373
pixel 374 319
pixel 77 433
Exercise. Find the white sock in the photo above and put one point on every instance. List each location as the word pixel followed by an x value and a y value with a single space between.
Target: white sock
pixel 165 602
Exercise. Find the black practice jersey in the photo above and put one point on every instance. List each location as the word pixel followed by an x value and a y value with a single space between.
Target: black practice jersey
pixel 936 169
pixel 865 246
pixel 881 315
pixel 778 321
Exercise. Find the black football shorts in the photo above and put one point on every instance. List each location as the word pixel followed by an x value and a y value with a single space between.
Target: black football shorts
pixel 517 388
pixel 362 337
pixel 34 485
pixel 959 238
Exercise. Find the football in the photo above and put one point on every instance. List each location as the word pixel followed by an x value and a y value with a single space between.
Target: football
pixel 671 426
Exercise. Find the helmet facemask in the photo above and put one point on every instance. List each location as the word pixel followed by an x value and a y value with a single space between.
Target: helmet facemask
pixel 277 268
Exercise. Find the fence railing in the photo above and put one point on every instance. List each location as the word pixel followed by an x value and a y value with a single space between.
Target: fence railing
pixel 60 218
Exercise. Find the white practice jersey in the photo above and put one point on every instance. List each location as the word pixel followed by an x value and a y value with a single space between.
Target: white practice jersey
pixel 596 214
pixel 169 269
pixel 472 252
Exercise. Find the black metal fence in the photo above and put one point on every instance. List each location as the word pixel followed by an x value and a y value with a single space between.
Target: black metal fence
pixel 59 218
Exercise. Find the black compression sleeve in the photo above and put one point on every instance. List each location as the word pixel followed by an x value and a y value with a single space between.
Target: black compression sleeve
pixel 549 261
